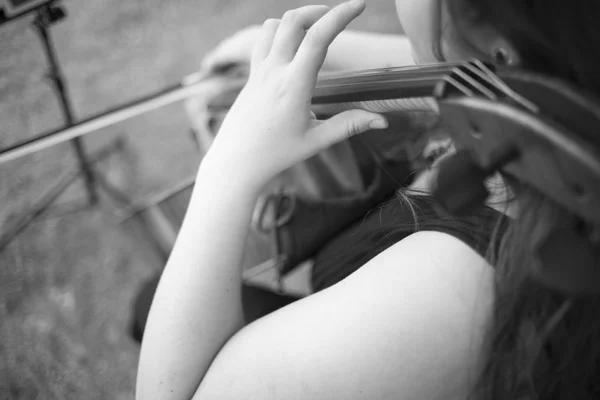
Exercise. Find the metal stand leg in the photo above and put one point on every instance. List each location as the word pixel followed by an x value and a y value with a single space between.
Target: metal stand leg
pixel 46 16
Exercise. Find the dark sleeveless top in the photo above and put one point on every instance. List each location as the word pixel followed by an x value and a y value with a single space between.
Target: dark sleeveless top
pixel 393 221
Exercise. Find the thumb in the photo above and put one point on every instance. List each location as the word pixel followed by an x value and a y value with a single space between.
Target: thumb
pixel 345 125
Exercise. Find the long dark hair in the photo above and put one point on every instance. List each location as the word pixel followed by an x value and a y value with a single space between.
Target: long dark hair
pixel 542 344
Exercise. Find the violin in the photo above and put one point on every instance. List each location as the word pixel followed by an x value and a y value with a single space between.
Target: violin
pixel 537 130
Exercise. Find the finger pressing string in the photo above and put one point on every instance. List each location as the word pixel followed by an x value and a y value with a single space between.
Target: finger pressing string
pixel 311 53
pixel 292 30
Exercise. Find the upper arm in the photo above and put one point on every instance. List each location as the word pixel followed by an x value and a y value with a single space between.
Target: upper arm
pixel 409 324
pixel 421 23
pixel 357 50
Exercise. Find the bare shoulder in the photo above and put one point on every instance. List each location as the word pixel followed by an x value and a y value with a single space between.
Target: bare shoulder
pixel 409 324
pixel 439 259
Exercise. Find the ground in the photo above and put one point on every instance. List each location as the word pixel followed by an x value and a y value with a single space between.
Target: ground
pixel 67 281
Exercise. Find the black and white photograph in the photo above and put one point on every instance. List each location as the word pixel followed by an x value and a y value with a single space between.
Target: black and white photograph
pixel 287 200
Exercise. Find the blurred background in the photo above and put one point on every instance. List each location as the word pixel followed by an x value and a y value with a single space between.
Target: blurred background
pixel 68 280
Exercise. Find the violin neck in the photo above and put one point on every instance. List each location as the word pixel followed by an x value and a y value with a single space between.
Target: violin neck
pixel 380 84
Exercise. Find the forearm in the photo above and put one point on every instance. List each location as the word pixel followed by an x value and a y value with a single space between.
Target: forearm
pixel 355 50
pixel 197 307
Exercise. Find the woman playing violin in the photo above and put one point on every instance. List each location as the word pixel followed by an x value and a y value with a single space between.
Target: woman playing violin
pixel 431 316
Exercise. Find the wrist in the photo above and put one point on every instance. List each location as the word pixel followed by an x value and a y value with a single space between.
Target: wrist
pixel 217 172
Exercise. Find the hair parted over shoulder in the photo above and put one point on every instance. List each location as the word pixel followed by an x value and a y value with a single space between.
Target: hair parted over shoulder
pixel 542 344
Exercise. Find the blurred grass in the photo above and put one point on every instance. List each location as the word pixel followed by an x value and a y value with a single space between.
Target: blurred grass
pixel 66 283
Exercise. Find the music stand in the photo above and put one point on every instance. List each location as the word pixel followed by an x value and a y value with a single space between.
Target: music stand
pixel 47 13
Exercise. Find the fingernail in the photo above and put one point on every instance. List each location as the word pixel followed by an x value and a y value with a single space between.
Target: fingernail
pixel 356 3
pixel 378 124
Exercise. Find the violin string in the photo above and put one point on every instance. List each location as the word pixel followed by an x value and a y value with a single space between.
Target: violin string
pixel 450 79
pixel 473 69
pixel 476 86
pixel 506 89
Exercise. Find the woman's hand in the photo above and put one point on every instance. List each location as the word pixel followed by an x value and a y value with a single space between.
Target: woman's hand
pixel 271 127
